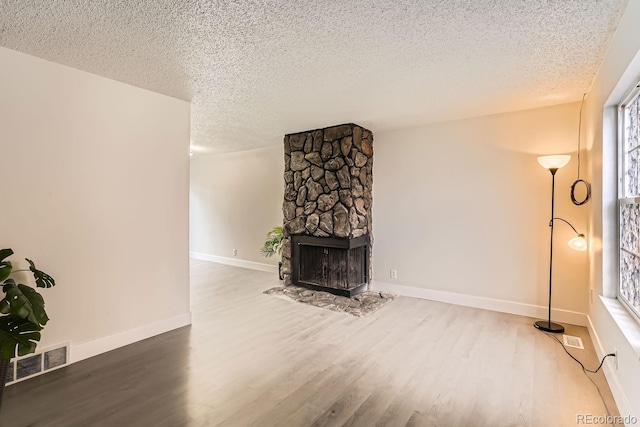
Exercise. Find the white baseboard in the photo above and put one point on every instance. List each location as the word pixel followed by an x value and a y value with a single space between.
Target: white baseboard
pixel 235 262
pixel 529 310
pixel 85 350
pixel 610 373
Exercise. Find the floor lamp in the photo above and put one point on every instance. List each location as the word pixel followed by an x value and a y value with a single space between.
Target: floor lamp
pixel 552 164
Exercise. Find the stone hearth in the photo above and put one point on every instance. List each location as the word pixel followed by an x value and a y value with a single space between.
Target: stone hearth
pixel 359 306
pixel 328 191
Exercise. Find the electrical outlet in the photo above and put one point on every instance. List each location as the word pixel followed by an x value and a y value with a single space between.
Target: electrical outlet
pixel 235 252
pixel 393 273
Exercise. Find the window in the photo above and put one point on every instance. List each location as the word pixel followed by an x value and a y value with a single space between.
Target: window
pixel 629 200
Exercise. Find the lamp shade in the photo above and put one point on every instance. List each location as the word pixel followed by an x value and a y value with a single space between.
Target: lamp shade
pixel 579 243
pixel 554 162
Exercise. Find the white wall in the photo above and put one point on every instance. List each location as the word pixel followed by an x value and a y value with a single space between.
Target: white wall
pixel 95 190
pixel 235 200
pixel 463 207
pixel 612 327
pixel 459 207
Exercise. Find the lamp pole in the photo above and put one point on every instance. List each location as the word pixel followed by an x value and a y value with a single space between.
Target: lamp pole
pixel 579 243
pixel 541 324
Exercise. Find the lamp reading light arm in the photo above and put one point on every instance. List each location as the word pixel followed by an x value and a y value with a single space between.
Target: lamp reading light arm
pixel 578 243
pixel 566 222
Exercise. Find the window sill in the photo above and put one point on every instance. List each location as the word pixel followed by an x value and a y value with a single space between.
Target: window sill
pixel 627 324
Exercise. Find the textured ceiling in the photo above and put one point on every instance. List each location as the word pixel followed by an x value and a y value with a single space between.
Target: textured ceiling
pixel 255 70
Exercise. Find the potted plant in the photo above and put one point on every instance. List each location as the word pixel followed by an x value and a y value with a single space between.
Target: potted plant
pixel 273 245
pixel 22 313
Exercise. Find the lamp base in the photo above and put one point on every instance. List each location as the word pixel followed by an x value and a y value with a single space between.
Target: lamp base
pixel 543 325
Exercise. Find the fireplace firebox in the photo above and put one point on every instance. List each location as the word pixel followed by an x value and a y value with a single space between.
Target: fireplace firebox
pixel 336 265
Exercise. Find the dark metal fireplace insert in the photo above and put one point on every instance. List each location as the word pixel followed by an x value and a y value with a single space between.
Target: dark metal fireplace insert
pixel 339 266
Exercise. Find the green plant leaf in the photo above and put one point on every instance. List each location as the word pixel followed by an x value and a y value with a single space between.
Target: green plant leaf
pixel 5 266
pixel 17 333
pixel 273 242
pixel 24 302
pixel 43 280
pixel 5 307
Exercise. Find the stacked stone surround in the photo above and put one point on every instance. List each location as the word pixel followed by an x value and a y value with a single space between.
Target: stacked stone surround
pixel 328 186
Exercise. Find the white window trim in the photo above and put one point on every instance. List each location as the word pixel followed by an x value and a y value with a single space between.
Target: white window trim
pixel 620 170
pixel 625 322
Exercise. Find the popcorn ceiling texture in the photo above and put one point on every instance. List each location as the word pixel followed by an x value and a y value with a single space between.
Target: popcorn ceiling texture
pixel 256 70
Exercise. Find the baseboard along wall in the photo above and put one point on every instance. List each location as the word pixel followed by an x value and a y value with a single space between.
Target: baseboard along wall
pixel 610 372
pixel 529 310
pixel 92 348
pixel 235 262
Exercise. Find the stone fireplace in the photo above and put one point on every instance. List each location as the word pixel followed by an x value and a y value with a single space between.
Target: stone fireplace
pixel 327 209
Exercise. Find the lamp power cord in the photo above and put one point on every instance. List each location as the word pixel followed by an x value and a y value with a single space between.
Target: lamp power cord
pixel 586 184
pixel 579 362
pixel 585 370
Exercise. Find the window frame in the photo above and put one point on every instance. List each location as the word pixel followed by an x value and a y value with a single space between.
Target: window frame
pixel 622 199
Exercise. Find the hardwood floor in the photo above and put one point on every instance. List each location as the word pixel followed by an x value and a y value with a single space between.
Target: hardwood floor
pixel 251 359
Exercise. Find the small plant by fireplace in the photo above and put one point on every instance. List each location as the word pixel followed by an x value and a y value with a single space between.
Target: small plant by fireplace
pixel 273 245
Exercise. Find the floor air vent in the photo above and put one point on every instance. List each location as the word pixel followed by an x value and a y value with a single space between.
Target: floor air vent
pixel 38 363
pixel 571 341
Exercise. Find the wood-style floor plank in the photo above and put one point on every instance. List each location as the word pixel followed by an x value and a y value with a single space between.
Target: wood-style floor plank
pixel 251 359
